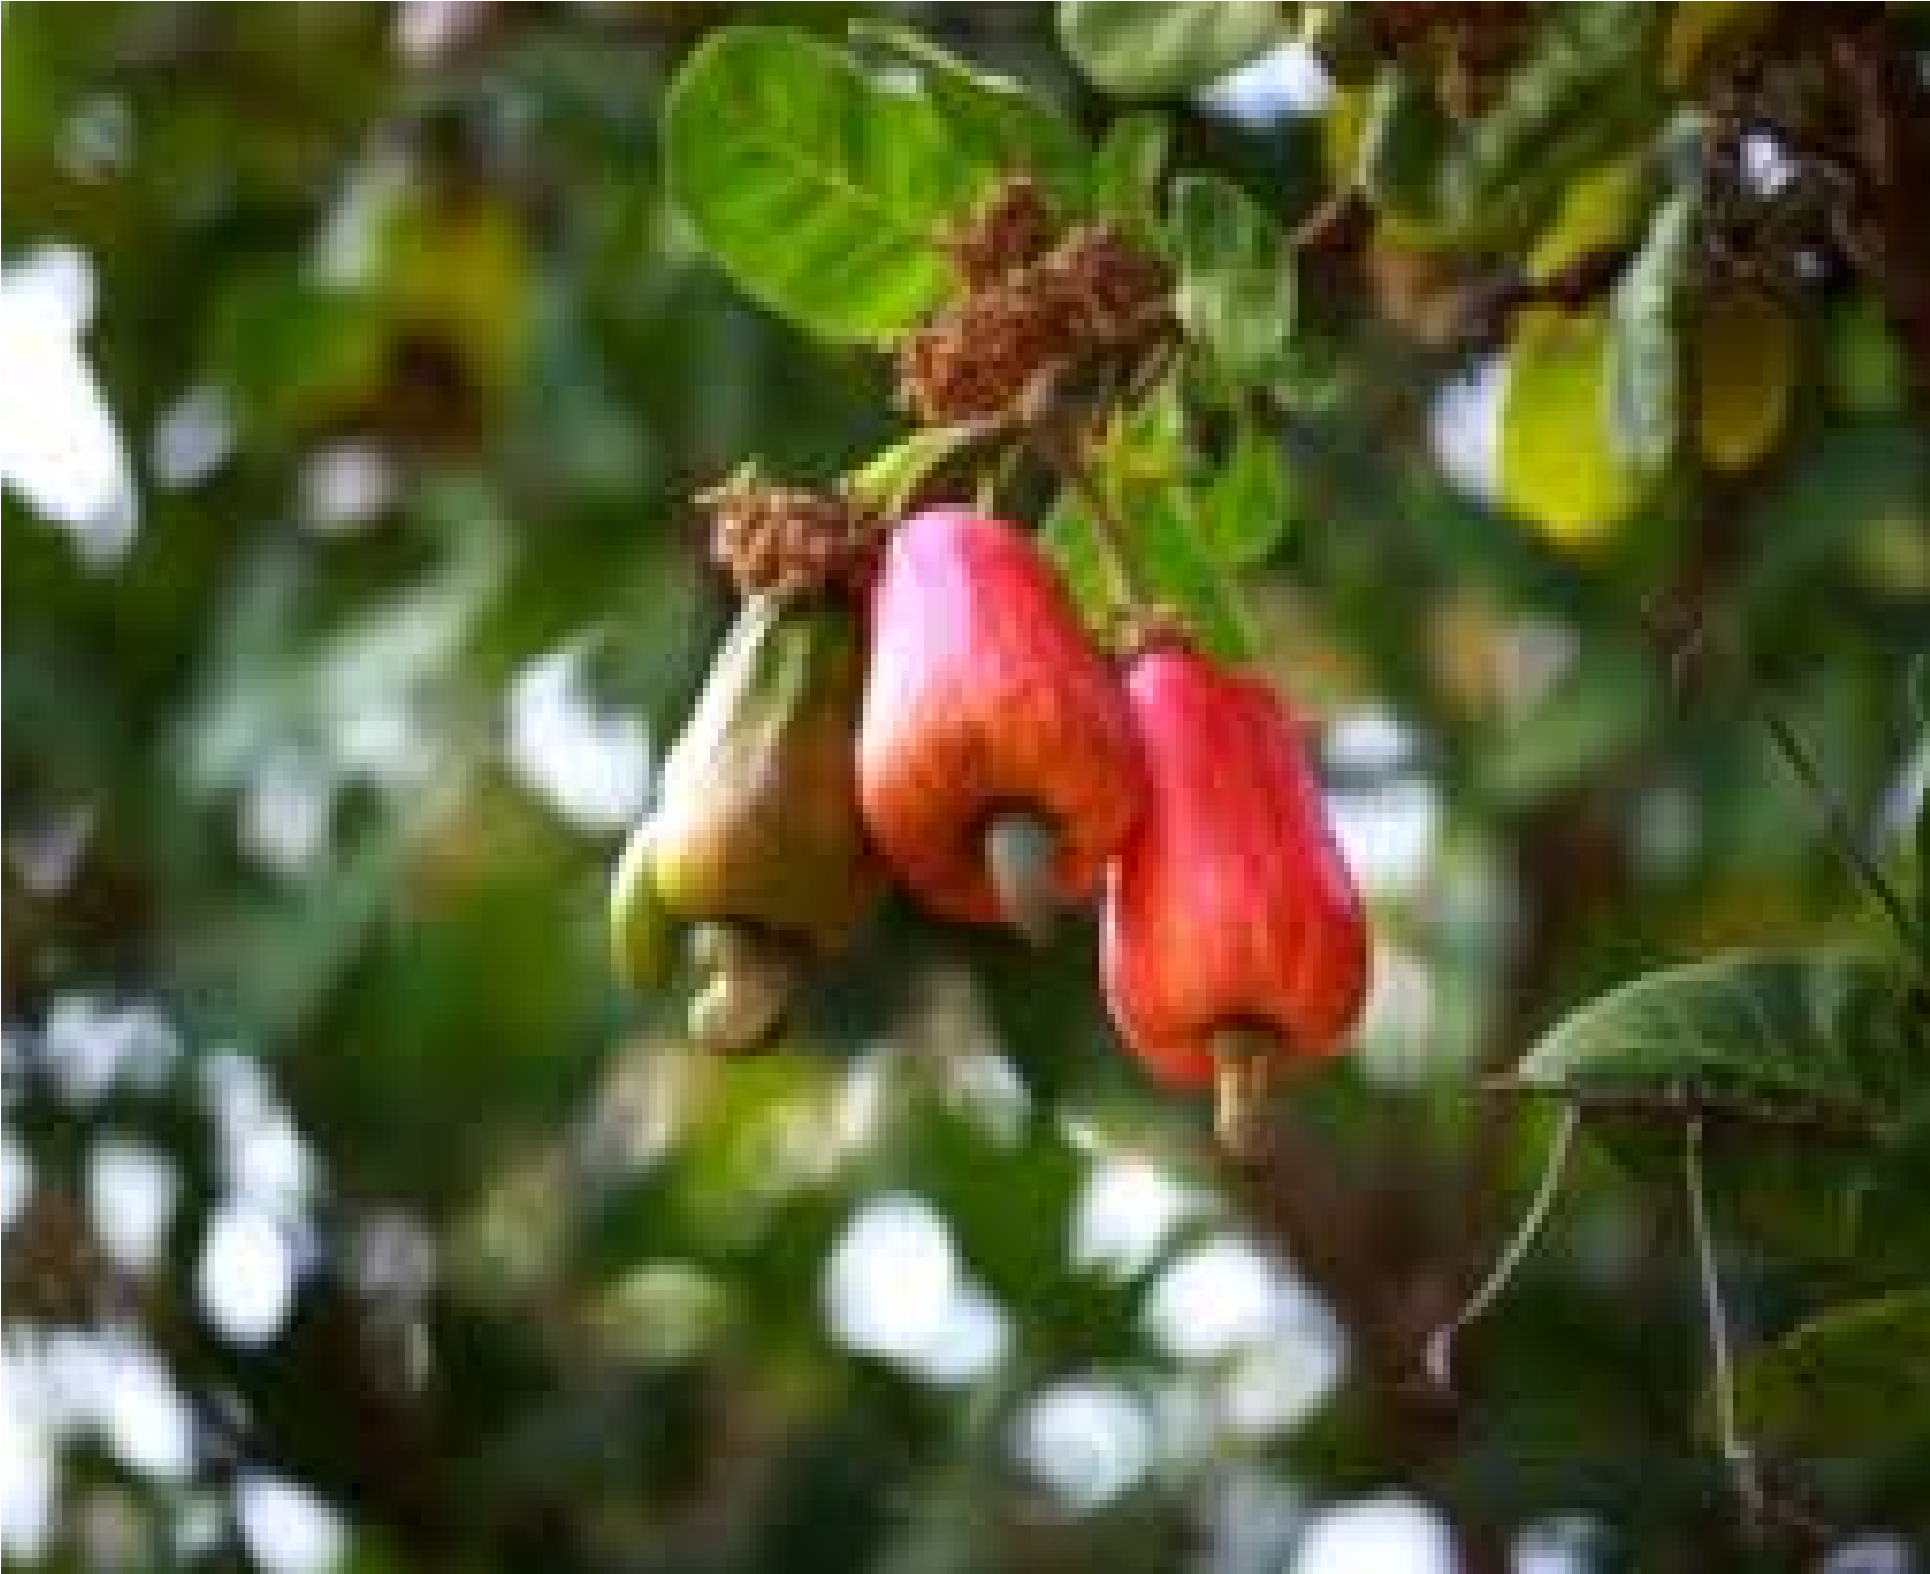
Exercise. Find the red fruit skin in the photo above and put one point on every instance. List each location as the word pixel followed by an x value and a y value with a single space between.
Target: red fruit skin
pixel 985 696
pixel 1230 905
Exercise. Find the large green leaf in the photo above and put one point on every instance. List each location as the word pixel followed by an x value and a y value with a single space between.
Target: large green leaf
pixel 1162 47
pixel 1854 1380
pixel 824 193
pixel 1822 1035
pixel 1236 285
pixel 1245 508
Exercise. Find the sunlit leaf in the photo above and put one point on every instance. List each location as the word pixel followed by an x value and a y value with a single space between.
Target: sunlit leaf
pixel 992 119
pixel 1162 47
pixel 1236 287
pixel 1558 467
pixel 1245 508
pixel 823 192
pixel 1141 466
pixel 1072 541
pixel 1123 180
pixel 1166 543
pixel 1600 209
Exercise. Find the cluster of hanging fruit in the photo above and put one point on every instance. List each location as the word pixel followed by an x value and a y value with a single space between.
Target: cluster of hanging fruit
pixel 922 703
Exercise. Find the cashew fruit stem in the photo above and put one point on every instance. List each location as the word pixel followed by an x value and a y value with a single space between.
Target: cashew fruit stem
pixel 1244 1058
pixel 749 984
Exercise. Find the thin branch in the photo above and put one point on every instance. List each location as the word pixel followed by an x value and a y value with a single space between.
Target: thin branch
pixel 1681 648
pixel 1841 831
pixel 1490 302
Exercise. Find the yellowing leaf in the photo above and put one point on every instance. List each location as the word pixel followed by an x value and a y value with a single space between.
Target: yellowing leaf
pixel 1559 469
pixel 1341 129
pixel 1745 361
pixel 1598 210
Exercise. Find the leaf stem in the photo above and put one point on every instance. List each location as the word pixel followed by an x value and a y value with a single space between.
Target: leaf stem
pixel 1736 1452
pixel 1440 1344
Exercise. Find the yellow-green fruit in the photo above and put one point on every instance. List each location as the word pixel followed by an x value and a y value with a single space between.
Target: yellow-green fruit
pixel 1744 346
pixel 640 927
pixel 757 816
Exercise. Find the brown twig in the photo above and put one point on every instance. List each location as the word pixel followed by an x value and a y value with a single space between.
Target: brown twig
pixel 1491 302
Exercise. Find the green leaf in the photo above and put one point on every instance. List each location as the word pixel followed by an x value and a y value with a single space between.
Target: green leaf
pixel 1236 287
pixel 296 354
pixel 1167 546
pixel 1071 540
pixel 823 193
pixel 1645 362
pixel 1122 182
pixel 1837 488
pixel 1143 467
pixel 1165 47
pixel 993 119
pixel 1558 468
pixel 1818 1035
pixel 1855 1380
pixel 1245 508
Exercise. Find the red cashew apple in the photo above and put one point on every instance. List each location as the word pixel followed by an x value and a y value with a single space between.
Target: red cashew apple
pixel 1232 941
pixel 996 761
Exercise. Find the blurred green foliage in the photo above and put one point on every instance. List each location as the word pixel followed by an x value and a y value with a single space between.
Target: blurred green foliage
pixel 353 1216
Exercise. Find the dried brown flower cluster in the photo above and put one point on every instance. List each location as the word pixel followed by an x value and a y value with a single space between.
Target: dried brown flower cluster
pixel 783 541
pixel 1015 226
pixel 1033 307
